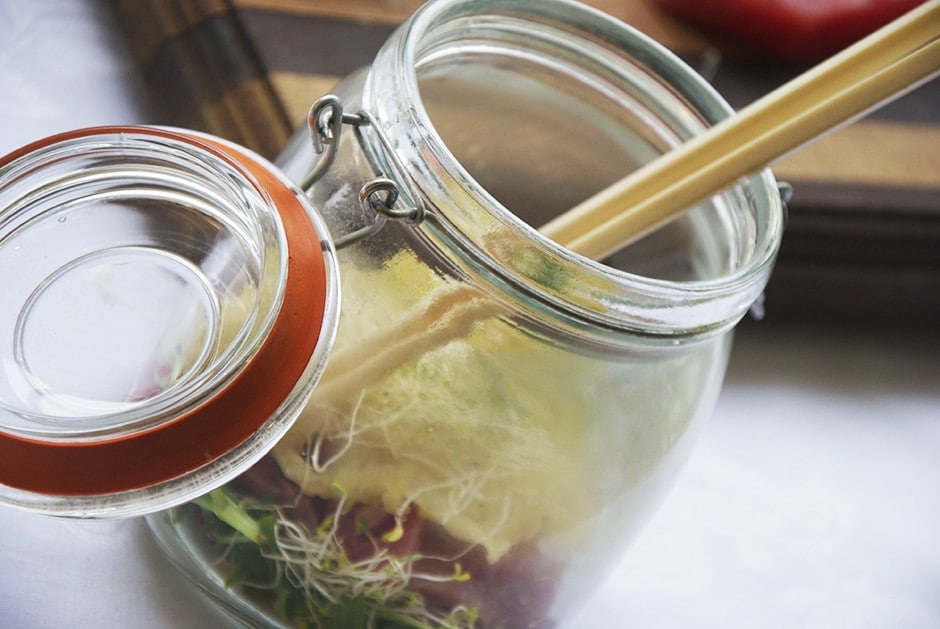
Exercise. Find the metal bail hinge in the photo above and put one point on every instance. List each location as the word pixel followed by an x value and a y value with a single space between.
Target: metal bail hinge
pixel 377 196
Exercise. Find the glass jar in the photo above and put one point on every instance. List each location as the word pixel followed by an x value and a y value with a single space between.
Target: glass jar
pixel 498 415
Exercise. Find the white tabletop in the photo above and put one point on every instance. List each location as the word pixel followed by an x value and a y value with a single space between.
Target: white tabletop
pixel 812 500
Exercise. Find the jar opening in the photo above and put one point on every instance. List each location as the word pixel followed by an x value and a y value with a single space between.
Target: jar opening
pixel 520 112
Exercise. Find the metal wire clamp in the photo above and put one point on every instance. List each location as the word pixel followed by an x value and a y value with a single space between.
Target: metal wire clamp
pixel 380 196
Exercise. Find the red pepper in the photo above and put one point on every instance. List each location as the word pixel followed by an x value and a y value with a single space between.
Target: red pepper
pixel 791 30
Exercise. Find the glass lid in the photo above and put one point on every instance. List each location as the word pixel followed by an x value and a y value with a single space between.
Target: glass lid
pixel 168 303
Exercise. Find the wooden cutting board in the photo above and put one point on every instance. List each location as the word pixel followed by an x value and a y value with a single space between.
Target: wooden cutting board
pixel 863 238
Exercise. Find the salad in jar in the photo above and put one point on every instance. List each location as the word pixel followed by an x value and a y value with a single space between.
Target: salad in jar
pixel 468 471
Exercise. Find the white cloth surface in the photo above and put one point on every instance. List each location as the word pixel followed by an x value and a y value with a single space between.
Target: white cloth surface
pixel 812 500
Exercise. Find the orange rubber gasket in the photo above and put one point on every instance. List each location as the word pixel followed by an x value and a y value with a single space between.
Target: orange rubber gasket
pixel 220 424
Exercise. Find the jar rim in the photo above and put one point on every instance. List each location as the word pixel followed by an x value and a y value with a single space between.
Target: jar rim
pixel 690 309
